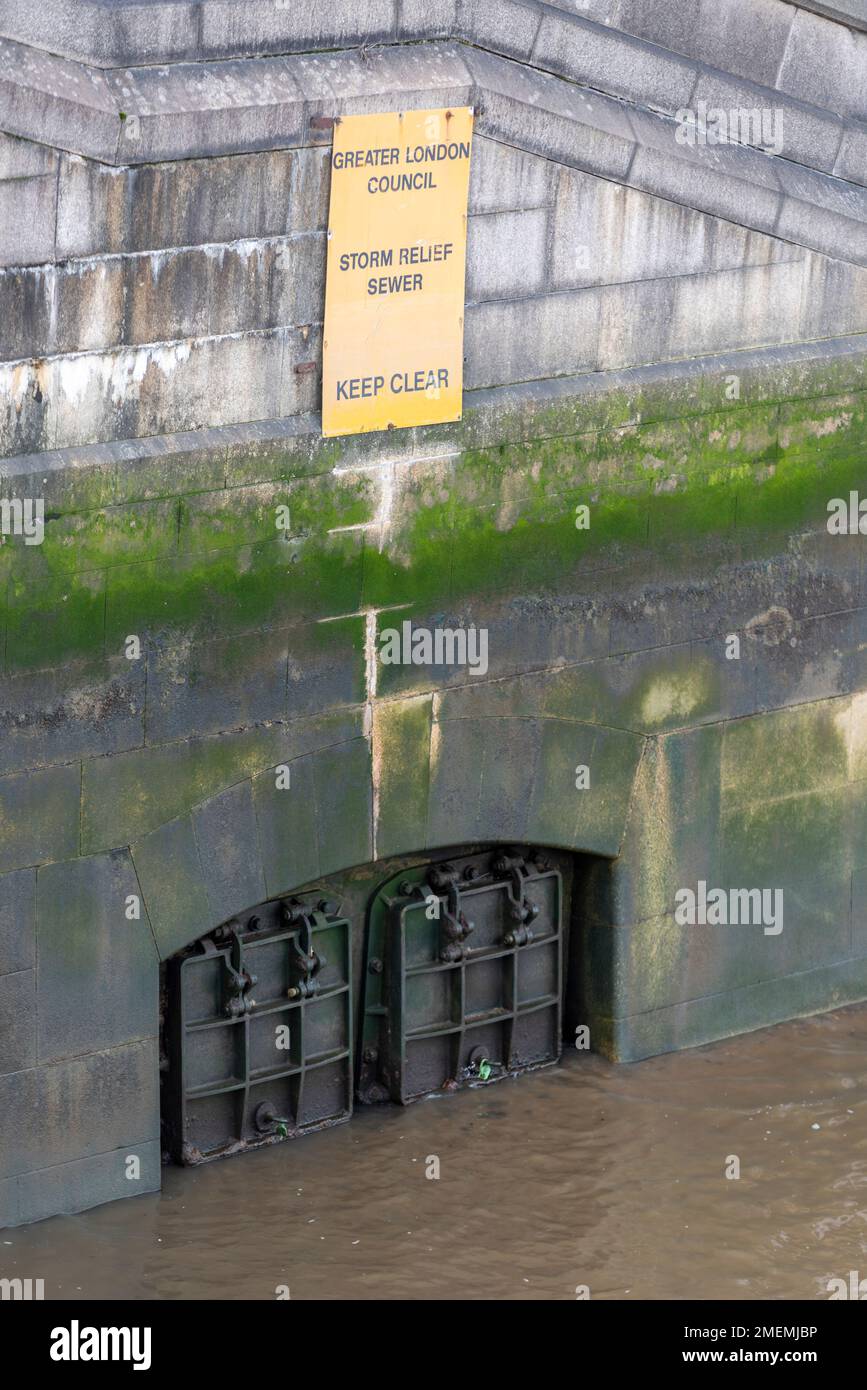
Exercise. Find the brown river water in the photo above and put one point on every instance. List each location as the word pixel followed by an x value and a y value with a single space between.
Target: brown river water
pixel 588 1173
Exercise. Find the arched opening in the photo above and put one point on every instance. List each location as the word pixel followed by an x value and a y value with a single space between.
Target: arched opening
pixel 387 983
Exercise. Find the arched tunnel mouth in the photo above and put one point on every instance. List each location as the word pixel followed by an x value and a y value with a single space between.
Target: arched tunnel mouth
pixel 388 983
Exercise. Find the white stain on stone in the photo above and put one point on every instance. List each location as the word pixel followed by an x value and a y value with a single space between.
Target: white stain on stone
pixel 390 476
pixel 672 697
pixel 851 723
pixel 118 376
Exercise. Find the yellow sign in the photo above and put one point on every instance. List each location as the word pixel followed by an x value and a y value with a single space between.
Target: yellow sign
pixel 397 243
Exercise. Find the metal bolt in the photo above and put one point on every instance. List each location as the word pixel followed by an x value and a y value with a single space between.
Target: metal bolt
pixel 375 966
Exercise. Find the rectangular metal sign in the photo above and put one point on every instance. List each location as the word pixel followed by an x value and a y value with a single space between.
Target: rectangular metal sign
pixel 397 238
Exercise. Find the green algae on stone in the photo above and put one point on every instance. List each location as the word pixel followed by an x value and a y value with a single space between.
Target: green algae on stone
pixel 54 623
pixel 127 795
pixel 401 772
pixel 492 521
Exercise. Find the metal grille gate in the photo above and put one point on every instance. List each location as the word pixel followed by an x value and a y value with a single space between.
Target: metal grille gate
pixel 463 975
pixel 259 1028
pixel 461 983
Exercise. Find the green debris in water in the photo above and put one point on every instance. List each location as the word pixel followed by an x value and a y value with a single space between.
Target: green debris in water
pixel 485 1069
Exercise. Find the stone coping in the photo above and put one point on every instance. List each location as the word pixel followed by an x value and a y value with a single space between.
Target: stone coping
pixel 609 400
pixel 121 33
pixel 149 115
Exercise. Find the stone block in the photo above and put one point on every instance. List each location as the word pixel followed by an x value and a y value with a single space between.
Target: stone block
pixel 17 1021
pixel 260 26
pixel 88 1182
pixel 723 1015
pixel 17 921
pixel 589 818
pixel 855 717
pixel 175 204
pixel 736 308
pixel 825 64
pixel 227 591
pixel 169 871
pixel 286 817
pixel 401 769
pixel 39 816
pixel 531 338
pixel 8 1203
pixel 92 540
pixel 344 805
pixel 226 833
pixel 126 796
pixel 787 128
pixel 606 233
pixel 767 843
pixel 544 115
pixel 859 912
pixel 71 480
pixel 502 26
pixel 825 231
pixel 507 756
pixel 149 468
pixel 82 712
pixel 411 562
pixel 54 620
pixel 70 106
pixel 852 157
pixel 713 188
pixel 662 962
pixel 173 123
pixel 209 687
pixel 506 179
pixel 80 1107
pixel 108 33
pixel 835 297
pixel 814 659
pixel 672 839
pixel 21 159
pixel 454 786
pixel 427 18
pixel 149 390
pixel 506 254
pixel 310 189
pixel 27 220
pixel 96 966
pixel 326 666
pixel 635 322
pixel 711 31
pixel 632 70
pixel 236 516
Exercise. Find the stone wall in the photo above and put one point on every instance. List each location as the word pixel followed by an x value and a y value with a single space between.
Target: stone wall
pixel 670 337
pixel 153 778
pixel 190 295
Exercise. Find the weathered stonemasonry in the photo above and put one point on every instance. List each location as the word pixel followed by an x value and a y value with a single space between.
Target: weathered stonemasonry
pixel 670 335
